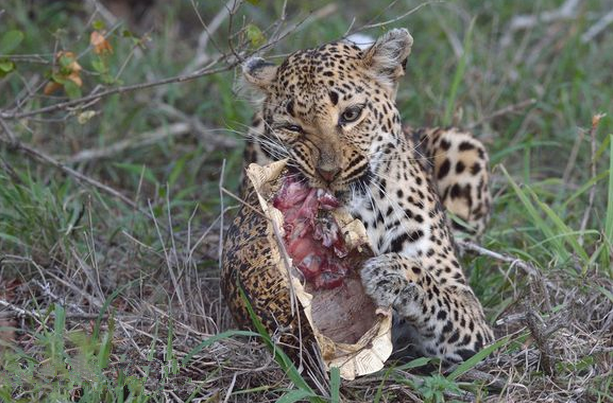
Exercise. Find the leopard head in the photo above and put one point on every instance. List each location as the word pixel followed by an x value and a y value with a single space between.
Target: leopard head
pixel 327 108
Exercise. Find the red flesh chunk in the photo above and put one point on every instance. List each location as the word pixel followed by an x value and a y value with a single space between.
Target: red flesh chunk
pixel 312 235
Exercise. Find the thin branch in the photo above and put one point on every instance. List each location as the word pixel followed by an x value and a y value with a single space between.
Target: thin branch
pixel 586 215
pixel 572 158
pixel 123 89
pixel 10 171
pixel 207 35
pixel 597 28
pixel 566 11
pixel 141 140
pixel 400 17
pixel 21 313
pixel 504 111
pixel 514 261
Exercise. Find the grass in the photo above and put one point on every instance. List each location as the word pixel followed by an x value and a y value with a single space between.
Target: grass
pixel 106 302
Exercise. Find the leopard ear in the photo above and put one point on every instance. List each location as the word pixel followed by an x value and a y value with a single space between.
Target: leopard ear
pixel 387 57
pixel 259 72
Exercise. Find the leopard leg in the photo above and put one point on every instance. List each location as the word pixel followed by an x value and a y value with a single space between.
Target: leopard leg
pixel 444 320
pixel 458 167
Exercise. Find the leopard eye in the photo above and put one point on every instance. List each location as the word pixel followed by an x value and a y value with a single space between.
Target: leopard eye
pixel 351 115
pixel 293 128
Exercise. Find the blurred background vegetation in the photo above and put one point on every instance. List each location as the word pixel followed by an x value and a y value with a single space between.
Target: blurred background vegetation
pixel 527 77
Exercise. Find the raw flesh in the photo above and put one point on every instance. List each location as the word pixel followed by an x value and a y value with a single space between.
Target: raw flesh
pixel 312 235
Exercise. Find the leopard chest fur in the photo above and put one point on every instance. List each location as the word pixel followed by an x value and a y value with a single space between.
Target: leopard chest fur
pixel 401 210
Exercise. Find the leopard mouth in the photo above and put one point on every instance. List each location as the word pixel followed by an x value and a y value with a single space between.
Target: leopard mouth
pixel 336 188
pixel 342 187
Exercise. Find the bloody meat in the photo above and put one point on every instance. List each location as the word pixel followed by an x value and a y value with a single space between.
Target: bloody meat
pixel 312 236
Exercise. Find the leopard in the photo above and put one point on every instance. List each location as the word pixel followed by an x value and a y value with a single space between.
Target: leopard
pixel 331 112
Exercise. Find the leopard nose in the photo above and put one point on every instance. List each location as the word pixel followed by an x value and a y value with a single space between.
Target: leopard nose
pixel 328 174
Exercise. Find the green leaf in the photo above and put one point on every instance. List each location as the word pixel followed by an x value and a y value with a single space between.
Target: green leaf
pixel 107 346
pixel 11 238
pixel 335 385
pixel 477 358
pixel 296 396
pixel 416 363
pixel 99 66
pixel 177 170
pixel 254 2
pixel 137 170
pixel 10 41
pixel 606 292
pixel 109 79
pixel 58 78
pixel 99 25
pixel 106 305
pixel 72 90
pixel 255 36
pixel 536 218
pixel 584 188
pixel 65 61
pixel 563 229
pixel 6 66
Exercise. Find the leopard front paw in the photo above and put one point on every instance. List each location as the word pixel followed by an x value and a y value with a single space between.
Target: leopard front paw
pixel 382 281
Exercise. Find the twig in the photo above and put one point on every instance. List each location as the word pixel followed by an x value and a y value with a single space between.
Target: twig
pixel 210 141
pixel 473 247
pixel 586 215
pixel 400 17
pixel 44 158
pixel 99 8
pixel 178 290
pixel 10 171
pixel 12 139
pixel 514 261
pixel 318 14
pixel 221 224
pixel 123 89
pixel 572 158
pixel 20 311
pixel 46 289
pixel 541 334
pixel 141 140
pixel 492 381
pixel 566 11
pixel 230 388
pixel 504 111
pixel 597 28
pixel 207 36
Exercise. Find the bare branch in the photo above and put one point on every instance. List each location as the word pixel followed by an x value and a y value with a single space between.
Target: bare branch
pixel 504 111
pixel 566 11
pixel 597 28
pixel 123 89
pixel 586 215
pixel 514 261
pixel 396 19
pixel 141 140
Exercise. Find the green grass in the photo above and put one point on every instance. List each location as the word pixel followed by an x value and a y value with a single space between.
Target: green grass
pixel 135 304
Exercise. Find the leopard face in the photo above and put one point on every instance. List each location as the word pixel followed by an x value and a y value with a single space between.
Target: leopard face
pixel 329 109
